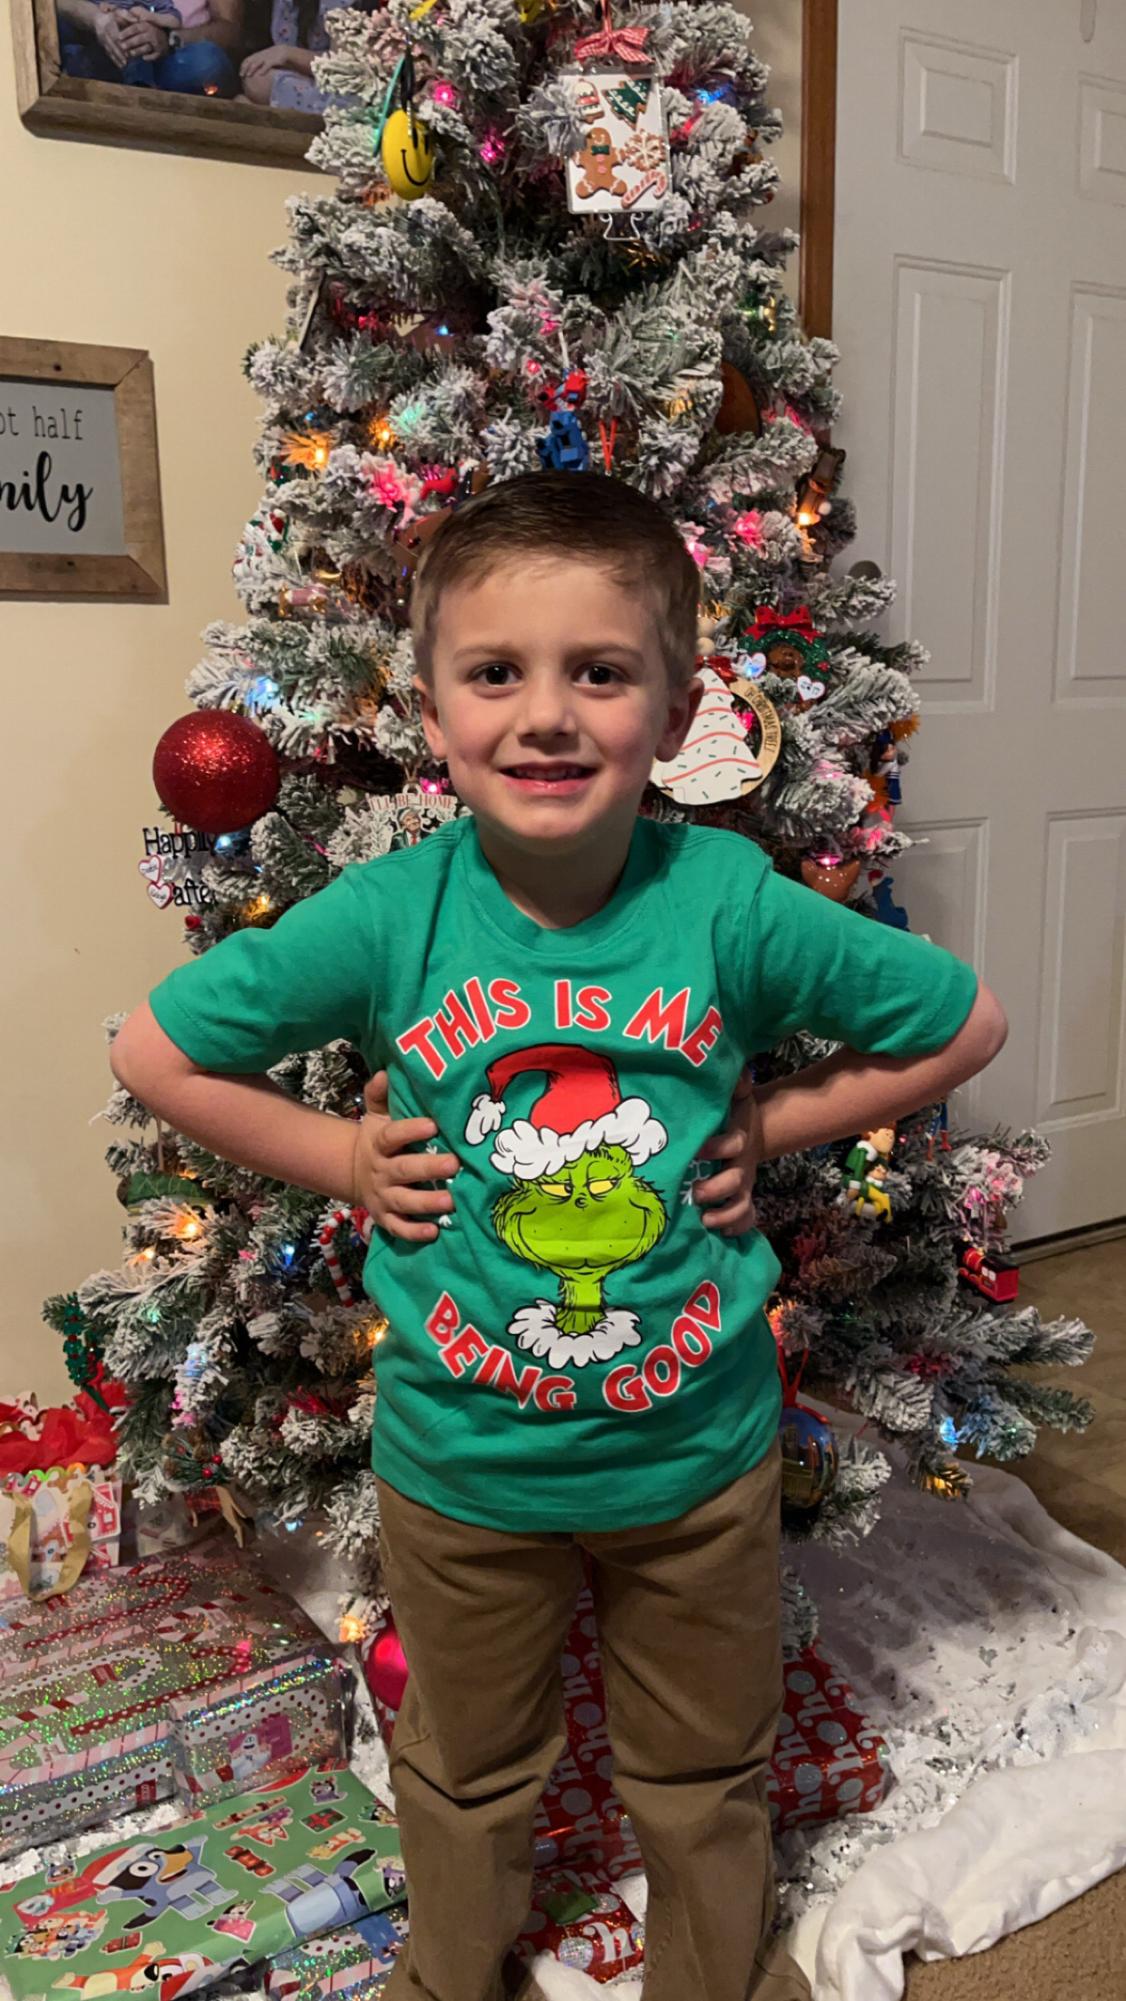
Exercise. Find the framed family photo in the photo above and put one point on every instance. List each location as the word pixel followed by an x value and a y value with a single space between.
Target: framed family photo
pixel 231 78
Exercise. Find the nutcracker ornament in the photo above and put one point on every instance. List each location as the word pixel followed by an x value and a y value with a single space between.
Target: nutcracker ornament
pixel 885 768
pixel 814 501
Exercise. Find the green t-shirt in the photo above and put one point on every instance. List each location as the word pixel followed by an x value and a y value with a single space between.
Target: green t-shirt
pixel 576 1349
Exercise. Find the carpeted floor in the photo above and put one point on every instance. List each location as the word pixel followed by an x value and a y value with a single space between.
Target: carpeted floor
pixel 1079 1953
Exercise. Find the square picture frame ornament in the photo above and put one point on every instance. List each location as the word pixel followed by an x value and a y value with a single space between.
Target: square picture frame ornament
pixel 623 167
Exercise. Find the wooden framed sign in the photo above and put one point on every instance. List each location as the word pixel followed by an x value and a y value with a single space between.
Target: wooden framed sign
pixel 79 476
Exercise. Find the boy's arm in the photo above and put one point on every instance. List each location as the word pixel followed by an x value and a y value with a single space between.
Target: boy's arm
pixel 196 1053
pixel 245 1119
pixel 849 1092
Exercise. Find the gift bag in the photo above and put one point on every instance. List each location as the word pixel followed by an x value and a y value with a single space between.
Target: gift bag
pixel 55 1524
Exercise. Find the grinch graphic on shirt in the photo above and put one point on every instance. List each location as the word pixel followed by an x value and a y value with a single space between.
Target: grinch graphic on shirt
pixel 577 1205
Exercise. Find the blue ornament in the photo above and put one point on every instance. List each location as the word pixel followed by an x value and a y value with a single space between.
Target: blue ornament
pixel 809 1463
pixel 564 449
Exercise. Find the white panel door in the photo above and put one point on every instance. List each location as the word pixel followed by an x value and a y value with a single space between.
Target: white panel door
pixel 981 312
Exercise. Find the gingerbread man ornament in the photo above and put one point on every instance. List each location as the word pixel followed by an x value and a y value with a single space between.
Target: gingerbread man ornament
pixel 599 160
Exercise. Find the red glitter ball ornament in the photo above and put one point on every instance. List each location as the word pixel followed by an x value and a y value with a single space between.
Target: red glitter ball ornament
pixel 385 1667
pixel 216 771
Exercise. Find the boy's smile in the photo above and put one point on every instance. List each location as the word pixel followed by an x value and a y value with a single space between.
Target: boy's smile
pixel 551 700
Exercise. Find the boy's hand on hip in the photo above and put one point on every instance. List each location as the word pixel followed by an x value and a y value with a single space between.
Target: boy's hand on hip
pixel 386 1173
pixel 741 1143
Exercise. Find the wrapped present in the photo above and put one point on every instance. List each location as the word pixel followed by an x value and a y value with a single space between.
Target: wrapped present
pixel 581 1818
pixel 356 1962
pixel 86 1682
pixel 54 1526
pixel 578 1917
pixel 828 1759
pixel 227 1739
pixel 179 1910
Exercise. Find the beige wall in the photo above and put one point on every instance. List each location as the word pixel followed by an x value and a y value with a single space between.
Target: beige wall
pixel 134 249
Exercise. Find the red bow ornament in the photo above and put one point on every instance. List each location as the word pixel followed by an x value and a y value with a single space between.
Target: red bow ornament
pixel 769 621
pixel 626 44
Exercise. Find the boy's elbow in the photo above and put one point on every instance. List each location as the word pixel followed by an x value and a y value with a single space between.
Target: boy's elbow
pixel 993 1024
pixel 124 1058
pixel 981 1036
pixel 141 1056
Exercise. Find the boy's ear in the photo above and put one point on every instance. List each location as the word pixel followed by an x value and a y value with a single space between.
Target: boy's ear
pixel 680 718
pixel 432 728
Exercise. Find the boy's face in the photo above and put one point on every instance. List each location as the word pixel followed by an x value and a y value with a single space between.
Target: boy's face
pixel 544 664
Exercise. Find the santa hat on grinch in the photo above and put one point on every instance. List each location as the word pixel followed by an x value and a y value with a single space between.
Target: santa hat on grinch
pixel 580 1109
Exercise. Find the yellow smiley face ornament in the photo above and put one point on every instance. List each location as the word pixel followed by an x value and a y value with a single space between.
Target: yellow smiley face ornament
pixel 407 152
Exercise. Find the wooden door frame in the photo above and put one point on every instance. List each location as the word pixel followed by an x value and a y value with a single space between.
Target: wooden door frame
pixel 818 162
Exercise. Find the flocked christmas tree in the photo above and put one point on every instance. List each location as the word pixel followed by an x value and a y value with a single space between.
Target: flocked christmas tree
pixel 548 242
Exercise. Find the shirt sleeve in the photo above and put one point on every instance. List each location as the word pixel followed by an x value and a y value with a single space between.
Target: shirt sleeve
pixel 817 965
pixel 260 995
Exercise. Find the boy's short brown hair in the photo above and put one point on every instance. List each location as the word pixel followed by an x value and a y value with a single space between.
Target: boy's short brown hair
pixel 586 517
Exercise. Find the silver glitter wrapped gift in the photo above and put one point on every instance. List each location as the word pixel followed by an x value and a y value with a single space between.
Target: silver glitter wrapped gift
pixel 243 1733
pixel 86 1682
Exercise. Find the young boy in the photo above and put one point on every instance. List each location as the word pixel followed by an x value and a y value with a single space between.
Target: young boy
pixel 574 1363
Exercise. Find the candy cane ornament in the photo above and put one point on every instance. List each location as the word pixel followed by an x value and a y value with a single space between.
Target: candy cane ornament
pixel 362 1223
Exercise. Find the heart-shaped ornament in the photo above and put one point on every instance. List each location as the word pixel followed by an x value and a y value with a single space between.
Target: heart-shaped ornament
pixel 152 868
pixel 161 894
pixel 751 665
pixel 809 689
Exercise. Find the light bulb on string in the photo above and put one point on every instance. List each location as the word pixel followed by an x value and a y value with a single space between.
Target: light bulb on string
pixel 307 448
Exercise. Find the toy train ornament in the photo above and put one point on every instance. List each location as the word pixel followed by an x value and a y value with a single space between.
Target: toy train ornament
pixel 996 1278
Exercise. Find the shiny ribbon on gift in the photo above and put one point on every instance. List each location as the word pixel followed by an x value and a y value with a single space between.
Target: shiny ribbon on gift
pixel 79 1503
pixel 768 621
pixel 627 45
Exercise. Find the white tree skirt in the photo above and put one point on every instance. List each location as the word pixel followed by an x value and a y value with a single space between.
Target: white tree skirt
pixel 989 1647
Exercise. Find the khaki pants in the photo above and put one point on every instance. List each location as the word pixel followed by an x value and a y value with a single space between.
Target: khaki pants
pixel 688 1617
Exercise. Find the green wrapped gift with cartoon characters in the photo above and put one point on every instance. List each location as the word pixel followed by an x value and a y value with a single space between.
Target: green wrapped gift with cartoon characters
pixel 174 1911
